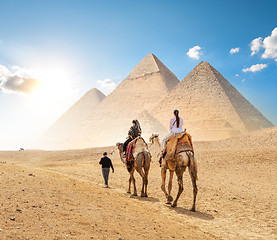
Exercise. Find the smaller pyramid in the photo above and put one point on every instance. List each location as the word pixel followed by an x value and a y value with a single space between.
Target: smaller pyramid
pixel 60 134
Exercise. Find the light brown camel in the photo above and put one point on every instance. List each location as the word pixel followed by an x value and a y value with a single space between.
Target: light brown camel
pixel 183 160
pixel 141 164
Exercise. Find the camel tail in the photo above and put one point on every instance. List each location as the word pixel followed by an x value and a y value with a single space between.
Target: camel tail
pixel 146 160
pixel 193 166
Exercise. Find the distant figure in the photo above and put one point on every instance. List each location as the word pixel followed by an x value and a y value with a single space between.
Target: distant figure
pixel 133 133
pixel 21 149
pixel 106 164
pixel 175 127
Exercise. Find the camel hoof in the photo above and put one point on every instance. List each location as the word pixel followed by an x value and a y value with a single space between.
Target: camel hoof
pixel 192 209
pixel 174 205
pixel 134 194
pixel 168 203
pixel 128 192
pixel 169 198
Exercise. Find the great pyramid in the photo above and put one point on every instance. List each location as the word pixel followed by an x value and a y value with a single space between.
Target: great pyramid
pixel 211 107
pixel 143 88
pixel 146 85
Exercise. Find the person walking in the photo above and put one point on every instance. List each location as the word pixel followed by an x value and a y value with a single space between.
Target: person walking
pixel 106 165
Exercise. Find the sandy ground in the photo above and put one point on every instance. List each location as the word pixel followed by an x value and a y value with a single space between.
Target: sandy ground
pixel 60 195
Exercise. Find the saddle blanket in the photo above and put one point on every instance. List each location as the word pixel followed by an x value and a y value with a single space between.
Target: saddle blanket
pixel 177 144
pixel 129 153
pixel 184 144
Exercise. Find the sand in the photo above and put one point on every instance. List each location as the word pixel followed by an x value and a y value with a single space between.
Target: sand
pixel 60 195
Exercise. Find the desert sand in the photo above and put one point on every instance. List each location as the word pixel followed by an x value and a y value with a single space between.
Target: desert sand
pixel 60 195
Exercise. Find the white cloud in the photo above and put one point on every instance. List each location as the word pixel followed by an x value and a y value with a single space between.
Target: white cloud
pixel 255 45
pixel 194 52
pixel 243 80
pixel 234 50
pixel 18 80
pixel 237 75
pixel 107 85
pixel 270 45
pixel 255 68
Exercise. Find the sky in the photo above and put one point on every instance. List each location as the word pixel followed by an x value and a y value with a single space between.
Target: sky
pixel 54 51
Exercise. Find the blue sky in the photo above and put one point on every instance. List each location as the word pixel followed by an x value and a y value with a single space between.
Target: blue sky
pixel 76 45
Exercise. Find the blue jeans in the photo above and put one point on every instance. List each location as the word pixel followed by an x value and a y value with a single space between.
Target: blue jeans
pixel 105 172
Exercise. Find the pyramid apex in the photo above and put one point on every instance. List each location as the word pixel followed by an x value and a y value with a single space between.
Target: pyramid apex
pixel 147 65
pixel 150 54
pixel 204 64
pixel 94 92
pixel 150 65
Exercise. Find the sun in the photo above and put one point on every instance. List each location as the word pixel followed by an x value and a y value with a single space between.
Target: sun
pixel 55 94
pixel 56 83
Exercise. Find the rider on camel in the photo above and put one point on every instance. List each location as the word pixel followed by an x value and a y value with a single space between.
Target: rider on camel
pixel 175 127
pixel 133 133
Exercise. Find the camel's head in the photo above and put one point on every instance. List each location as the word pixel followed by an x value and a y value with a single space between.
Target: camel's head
pixel 151 139
pixel 119 146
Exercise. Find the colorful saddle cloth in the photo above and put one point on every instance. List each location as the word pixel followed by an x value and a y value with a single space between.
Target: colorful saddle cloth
pixel 178 143
pixel 184 144
pixel 129 155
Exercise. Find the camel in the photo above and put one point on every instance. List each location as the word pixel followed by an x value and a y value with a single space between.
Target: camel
pixel 184 159
pixel 141 164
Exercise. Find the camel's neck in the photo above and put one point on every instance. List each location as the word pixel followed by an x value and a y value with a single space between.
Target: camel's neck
pixel 156 148
pixel 121 154
pixel 157 143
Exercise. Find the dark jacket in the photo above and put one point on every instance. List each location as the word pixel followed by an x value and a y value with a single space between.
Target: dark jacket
pixel 134 132
pixel 106 162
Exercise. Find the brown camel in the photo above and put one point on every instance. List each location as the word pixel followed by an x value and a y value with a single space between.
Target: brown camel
pixel 183 160
pixel 141 164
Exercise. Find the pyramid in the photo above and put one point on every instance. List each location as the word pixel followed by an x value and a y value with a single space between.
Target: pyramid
pixel 146 85
pixel 69 123
pixel 211 107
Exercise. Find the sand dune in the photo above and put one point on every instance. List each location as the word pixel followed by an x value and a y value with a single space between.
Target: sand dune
pixel 61 196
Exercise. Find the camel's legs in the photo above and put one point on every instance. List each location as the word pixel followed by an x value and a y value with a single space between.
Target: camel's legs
pixel 134 182
pixel 141 173
pixel 163 175
pixel 146 168
pixel 195 190
pixel 181 188
pixel 170 182
pixel 167 195
pixel 130 181
pixel 146 183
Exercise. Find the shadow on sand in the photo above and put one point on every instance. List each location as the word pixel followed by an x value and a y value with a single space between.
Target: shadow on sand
pixel 146 199
pixel 196 214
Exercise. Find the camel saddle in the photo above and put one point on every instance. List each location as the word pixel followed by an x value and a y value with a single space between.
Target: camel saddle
pixel 130 158
pixel 179 143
